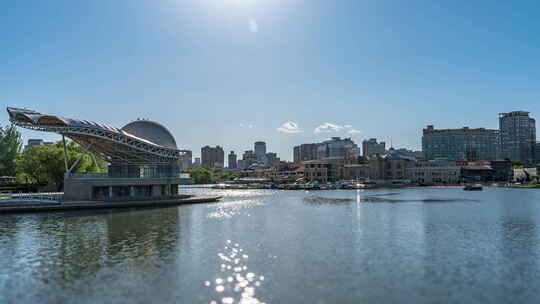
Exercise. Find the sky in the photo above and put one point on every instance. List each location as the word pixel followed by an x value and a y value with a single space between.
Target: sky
pixel 232 72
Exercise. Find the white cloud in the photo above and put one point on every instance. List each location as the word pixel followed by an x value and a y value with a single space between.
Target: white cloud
pixel 253 26
pixel 246 125
pixel 327 128
pixel 347 126
pixel 354 131
pixel 289 127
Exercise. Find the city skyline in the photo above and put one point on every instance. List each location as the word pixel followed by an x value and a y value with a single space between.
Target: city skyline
pixel 284 72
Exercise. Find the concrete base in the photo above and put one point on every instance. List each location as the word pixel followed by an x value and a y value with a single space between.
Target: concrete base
pixel 83 188
pixel 35 206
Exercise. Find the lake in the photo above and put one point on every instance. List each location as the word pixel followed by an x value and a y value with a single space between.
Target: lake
pixel 267 246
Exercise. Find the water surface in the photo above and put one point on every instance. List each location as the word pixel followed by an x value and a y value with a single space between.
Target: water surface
pixel 266 246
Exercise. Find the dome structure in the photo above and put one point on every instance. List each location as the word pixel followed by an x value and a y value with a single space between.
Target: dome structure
pixel 151 131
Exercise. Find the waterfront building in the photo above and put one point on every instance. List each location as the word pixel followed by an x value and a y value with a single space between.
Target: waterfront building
pixel 232 160
pixel 212 157
pixel 518 136
pixel 260 150
pixel 499 170
pixel 197 162
pixel 305 152
pixel 329 169
pixel 319 171
pixel 357 172
pixel 371 147
pixel 502 170
pixel 186 160
pixel 389 167
pixel 438 171
pixel 460 144
pixel 143 157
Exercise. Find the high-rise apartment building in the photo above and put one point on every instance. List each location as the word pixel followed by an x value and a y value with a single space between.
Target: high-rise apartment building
pixel 518 136
pixel 270 158
pixel 212 157
pixel 248 158
pixel 338 147
pixel 232 160
pixel 460 144
pixel 371 147
pixel 260 150
pixel 305 152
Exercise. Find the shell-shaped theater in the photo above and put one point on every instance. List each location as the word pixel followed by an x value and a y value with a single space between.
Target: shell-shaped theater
pixel 143 156
pixel 140 141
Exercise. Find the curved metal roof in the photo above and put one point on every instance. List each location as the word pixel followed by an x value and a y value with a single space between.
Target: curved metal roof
pixel 137 142
pixel 152 131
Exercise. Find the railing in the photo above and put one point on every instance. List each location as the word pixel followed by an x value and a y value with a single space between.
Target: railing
pixel 50 196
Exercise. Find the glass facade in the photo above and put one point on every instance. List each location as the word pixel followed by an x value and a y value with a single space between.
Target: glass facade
pixel 461 144
pixel 518 136
pixel 144 171
pixel 134 192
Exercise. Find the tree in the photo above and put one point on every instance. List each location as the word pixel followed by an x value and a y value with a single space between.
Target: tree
pixel 45 164
pixel 10 146
pixel 201 175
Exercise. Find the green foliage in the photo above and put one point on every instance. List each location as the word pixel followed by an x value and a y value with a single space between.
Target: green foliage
pixel 205 175
pixel 10 146
pixel 45 164
pixel 201 175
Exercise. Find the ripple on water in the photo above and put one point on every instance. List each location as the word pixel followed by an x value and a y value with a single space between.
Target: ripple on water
pixel 235 283
pixel 230 209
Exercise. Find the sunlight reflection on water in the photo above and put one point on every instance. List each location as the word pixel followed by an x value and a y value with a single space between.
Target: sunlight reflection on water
pixel 235 280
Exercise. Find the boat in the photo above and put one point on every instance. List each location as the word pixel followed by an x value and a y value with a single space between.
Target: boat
pixel 476 187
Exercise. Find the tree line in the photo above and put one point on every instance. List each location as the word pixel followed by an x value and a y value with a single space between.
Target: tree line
pixel 205 175
pixel 41 164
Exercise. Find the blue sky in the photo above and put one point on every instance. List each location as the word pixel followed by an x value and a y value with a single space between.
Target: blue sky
pixel 231 72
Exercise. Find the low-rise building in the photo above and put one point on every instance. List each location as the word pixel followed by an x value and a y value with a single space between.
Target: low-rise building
pixel 390 167
pixel 358 172
pixel 438 171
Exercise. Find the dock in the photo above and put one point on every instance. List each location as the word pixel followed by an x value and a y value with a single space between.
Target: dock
pixel 13 206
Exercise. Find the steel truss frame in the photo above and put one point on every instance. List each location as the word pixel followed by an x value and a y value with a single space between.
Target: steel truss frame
pixel 114 147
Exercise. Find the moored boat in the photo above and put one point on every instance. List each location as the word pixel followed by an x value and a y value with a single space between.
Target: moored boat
pixel 476 187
